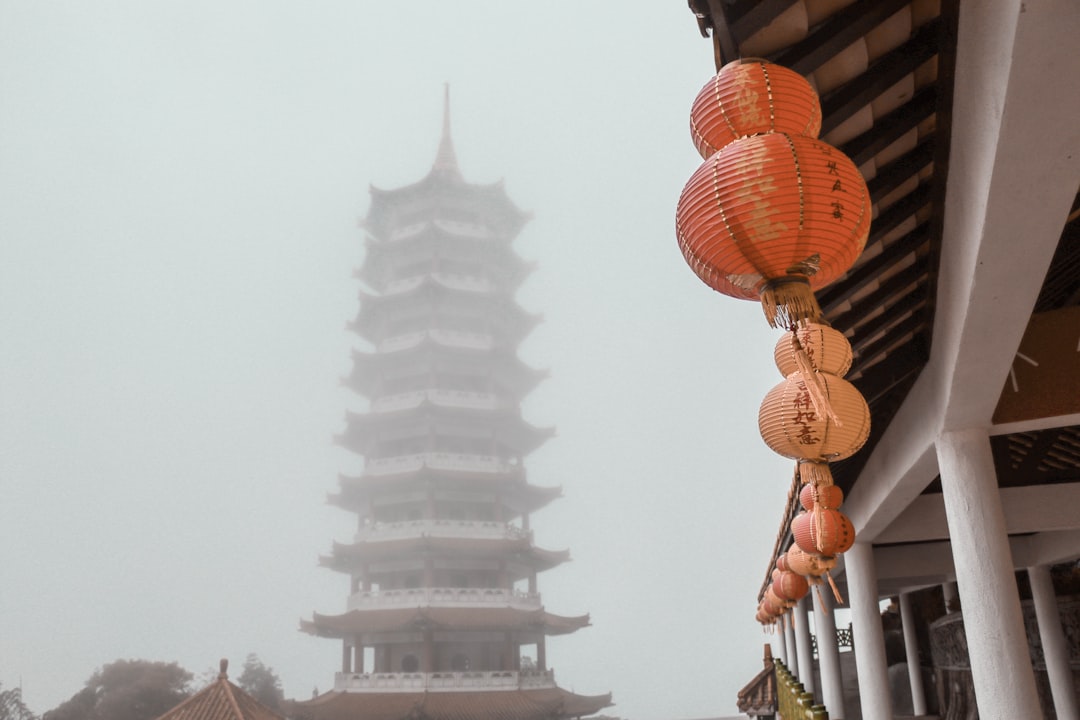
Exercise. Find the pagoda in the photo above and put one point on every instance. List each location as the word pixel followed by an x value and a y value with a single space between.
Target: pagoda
pixel 444 618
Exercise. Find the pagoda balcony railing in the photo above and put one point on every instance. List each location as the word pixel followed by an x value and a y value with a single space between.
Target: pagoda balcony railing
pixel 450 280
pixel 443 597
pixel 443 681
pixel 446 398
pixel 439 528
pixel 438 461
pixel 455 338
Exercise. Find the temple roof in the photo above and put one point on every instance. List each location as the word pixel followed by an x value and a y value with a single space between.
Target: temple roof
pixel 535 704
pixel 519 496
pixel 521 548
pixel 505 425
pixel 445 183
pixel 441 618
pixel 221 700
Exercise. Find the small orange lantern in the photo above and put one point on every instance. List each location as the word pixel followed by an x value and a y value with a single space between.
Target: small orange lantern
pixel 790 586
pixel 751 97
pixel 792 428
pixel 826 531
pixel 825 496
pixel 774 217
pixel 808 565
pixel 826 349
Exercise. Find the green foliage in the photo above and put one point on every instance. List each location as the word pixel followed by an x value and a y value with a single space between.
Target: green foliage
pixel 261 682
pixel 127 690
pixel 12 707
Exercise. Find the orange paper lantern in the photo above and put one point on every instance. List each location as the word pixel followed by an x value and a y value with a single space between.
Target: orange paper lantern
pixel 750 97
pixel 792 428
pixel 790 586
pixel 825 531
pixel 826 496
pixel 774 217
pixel 826 349
pixel 808 565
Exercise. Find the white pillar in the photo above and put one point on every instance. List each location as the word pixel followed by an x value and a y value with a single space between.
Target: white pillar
pixel 791 655
pixel 1055 651
pixel 874 696
pixel 949 592
pixel 779 651
pixel 832 682
pixel 911 647
pixel 802 645
pixel 993 623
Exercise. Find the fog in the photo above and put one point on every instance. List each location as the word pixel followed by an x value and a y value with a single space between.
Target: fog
pixel 180 184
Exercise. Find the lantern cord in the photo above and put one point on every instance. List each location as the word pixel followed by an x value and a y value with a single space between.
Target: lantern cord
pixel 815 386
pixel 821 600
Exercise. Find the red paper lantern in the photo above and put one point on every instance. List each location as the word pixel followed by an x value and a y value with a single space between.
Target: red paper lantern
pixel 825 531
pixel 827 496
pixel 790 586
pixel 750 97
pixel 810 565
pixel 826 349
pixel 774 217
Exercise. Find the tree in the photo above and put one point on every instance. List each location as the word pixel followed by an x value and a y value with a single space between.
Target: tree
pixel 12 707
pixel 261 682
pixel 127 690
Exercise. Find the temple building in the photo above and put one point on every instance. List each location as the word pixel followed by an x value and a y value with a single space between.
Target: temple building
pixel 444 618
pixel 963 312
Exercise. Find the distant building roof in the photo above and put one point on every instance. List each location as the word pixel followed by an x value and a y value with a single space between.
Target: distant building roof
pixel 538 704
pixel 221 700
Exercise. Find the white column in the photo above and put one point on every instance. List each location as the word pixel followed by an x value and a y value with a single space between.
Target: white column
pixel 874 696
pixel 949 592
pixel 832 682
pixel 802 645
pixel 993 623
pixel 791 655
pixel 1055 652
pixel 779 651
pixel 911 647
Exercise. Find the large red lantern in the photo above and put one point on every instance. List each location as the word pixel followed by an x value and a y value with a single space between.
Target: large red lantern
pixel 774 217
pixel 751 97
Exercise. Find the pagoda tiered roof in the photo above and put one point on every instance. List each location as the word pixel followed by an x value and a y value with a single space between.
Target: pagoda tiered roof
pixel 347 557
pixel 516 704
pixel 503 424
pixel 441 618
pixel 504 367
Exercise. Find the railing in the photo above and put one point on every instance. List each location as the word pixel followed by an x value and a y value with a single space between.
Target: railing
pixel 844 639
pixel 442 681
pixel 792 700
pixel 454 597
pixel 452 398
pixel 438 461
pixel 439 528
pixel 456 338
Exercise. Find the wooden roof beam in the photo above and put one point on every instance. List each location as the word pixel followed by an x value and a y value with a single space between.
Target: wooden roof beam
pixel 910 324
pixel 747 17
pixel 872 268
pixel 900 170
pixel 892 371
pixel 909 303
pixel 899 281
pixel 828 38
pixel 891 127
pixel 846 100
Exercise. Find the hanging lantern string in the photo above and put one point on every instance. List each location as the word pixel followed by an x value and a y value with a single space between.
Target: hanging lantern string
pixel 819 395
pixel 821 600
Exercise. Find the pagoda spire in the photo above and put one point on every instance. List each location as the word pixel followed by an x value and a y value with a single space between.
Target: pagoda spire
pixel 446 159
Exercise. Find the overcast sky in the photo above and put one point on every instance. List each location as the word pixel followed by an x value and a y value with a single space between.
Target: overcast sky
pixel 180 184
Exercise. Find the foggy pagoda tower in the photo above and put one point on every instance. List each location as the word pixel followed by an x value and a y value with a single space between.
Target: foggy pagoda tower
pixel 444 618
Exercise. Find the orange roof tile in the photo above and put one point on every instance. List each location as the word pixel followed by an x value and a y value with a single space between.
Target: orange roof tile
pixel 221 700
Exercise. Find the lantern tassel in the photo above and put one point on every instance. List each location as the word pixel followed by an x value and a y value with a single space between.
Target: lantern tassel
pixel 788 300
pixel 821 600
pixel 815 386
pixel 835 590
pixel 812 472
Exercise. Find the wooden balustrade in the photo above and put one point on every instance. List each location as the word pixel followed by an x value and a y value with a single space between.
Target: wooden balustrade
pixel 792 700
